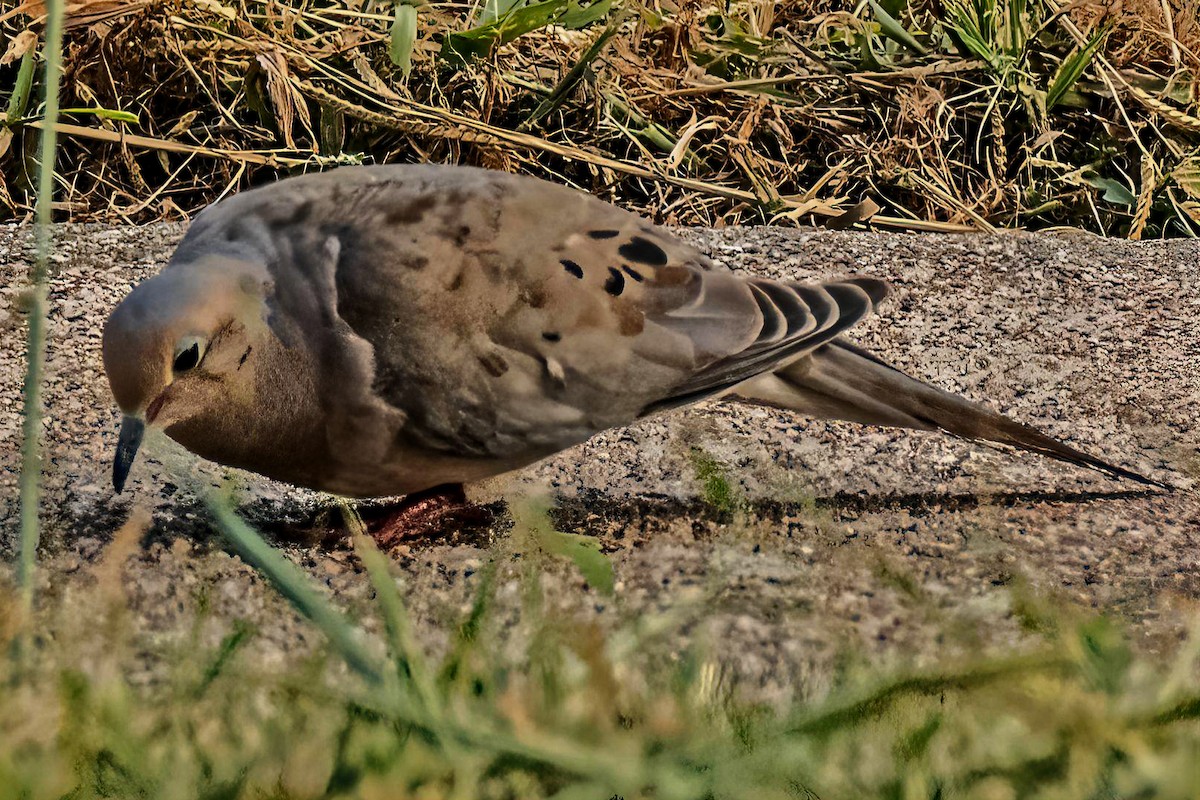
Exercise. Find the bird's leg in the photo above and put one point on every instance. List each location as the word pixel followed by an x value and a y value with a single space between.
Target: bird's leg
pixel 427 514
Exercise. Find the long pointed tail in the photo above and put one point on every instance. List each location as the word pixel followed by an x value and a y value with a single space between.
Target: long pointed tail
pixel 841 381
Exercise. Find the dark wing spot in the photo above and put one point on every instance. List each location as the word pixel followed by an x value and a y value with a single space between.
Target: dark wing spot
pixel 571 267
pixel 533 297
pixel 633 273
pixel 416 262
pixel 673 275
pixel 407 212
pixel 630 319
pixel 245 355
pixel 615 283
pixel 604 234
pixel 643 251
pixel 494 364
pixel 552 336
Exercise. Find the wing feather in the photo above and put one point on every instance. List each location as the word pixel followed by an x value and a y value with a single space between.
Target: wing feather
pixel 508 317
pixel 815 313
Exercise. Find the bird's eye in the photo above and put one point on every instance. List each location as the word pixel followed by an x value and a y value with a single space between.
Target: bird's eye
pixel 187 355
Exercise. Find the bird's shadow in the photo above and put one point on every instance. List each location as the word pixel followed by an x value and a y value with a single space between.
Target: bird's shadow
pixel 934 502
pixel 590 512
pixel 574 511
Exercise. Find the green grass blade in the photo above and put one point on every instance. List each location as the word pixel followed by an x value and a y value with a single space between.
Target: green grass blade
pixel 31 448
pixel 467 636
pixel 892 29
pixel 116 115
pixel 410 661
pixel 289 581
pixel 19 99
pixel 846 713
pixel 230 644
pixel 585 553
pixel 641 126
pixel 573 76
pixel 965 21
pixel 293 584
pixel 1181 711
pixel 1016 29
pixel 1073 67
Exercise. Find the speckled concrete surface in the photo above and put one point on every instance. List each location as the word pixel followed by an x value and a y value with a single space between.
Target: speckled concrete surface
pixel 901 545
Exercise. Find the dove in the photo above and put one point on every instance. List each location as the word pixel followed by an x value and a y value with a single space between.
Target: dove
pixel 387 330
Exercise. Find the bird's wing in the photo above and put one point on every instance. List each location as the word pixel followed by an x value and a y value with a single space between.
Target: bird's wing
pixel 507 314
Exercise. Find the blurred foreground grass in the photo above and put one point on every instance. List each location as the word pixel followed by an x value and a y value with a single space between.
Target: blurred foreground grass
pixel 581 713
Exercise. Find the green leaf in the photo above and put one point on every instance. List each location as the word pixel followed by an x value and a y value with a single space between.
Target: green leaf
pixel 479 41
pixel 577 16
pixel 105 113
pixel 1114 190
pixel 528 19
pixel 1073 67
pixel 892 28
pixel 404 36
pixel 585 551
pixel 531 518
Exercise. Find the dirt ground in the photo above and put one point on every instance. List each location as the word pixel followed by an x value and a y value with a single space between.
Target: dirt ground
pixel 899 545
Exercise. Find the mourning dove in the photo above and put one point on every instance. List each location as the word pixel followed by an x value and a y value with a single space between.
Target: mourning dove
pixel 377 331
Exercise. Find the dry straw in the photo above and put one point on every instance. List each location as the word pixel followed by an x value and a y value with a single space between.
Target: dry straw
pixel 941 116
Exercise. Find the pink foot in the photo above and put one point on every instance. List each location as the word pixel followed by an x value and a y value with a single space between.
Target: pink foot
pixel 431 514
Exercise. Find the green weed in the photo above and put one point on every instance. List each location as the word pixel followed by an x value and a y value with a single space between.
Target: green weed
pixel 716 489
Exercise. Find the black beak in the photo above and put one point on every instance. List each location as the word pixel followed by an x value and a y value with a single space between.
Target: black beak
pixel 132 429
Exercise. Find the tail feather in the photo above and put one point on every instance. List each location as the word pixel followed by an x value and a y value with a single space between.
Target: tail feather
pixel 841 381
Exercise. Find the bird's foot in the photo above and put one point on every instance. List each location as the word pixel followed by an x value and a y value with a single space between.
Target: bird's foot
pixel 431 514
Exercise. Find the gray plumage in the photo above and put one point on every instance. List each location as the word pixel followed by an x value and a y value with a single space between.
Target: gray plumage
pixel 382 330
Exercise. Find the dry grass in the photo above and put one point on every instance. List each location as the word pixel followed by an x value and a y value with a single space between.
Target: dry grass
pixel 946 114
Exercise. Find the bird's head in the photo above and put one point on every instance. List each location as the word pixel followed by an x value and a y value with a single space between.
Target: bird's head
pixel 174 345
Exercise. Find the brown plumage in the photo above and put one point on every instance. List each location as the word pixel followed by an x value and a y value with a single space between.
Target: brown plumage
pixel 381 330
